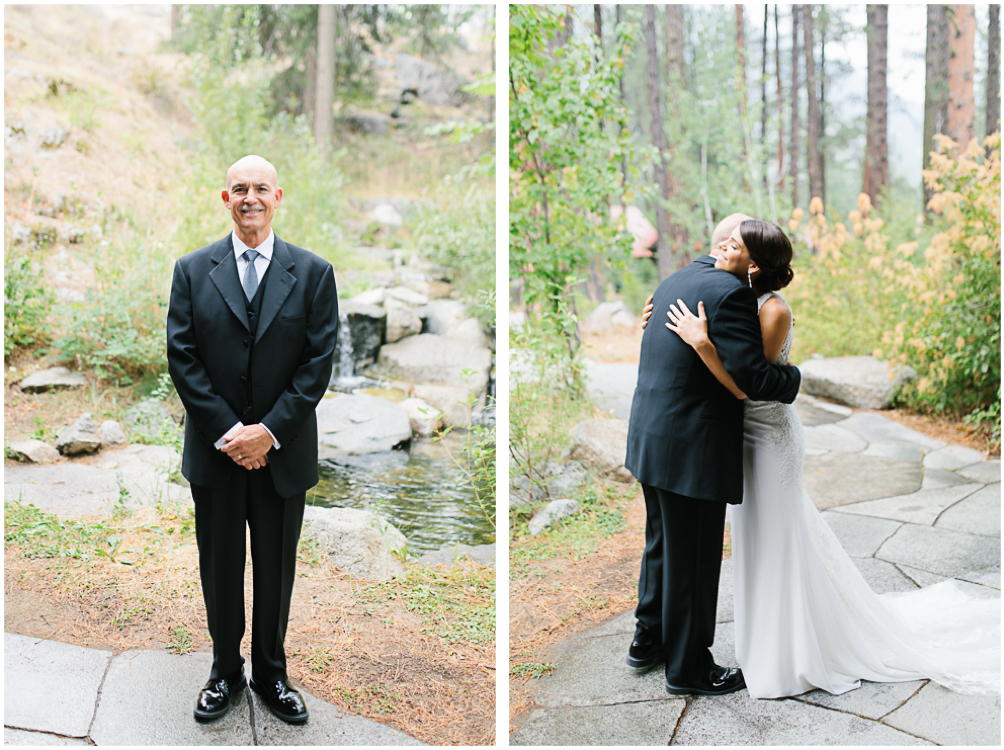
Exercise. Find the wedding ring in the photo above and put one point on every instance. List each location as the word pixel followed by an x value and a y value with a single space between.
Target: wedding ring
pixel 239 456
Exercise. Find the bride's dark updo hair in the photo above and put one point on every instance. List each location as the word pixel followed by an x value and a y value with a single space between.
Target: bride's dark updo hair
pixel 770 249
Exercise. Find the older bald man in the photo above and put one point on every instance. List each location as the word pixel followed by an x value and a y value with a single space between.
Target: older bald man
pixel 250 337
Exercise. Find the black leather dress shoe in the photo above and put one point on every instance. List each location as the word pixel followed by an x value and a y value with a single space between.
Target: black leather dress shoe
pixel 644 651
pixel 282 700
pixel 718 681
pixel 217 696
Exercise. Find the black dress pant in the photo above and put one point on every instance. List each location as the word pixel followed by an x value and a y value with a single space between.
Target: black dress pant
pixel 678 585
pixel 221 516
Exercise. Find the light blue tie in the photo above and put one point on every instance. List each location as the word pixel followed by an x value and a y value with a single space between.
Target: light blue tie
pixel 251 275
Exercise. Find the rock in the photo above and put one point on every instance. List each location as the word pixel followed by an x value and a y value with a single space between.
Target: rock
pixel 451 400
pixel 551 512
pixel 360 424
pixel 408 296
pixel 560 477
pixel 111 433
pixel 361 333
pixel 601 444
pixel 386 214
pixel 356 541
pixel 52 137
pixel 149 421
pixel 80 437
pixel 401 320
pixel 442 316
pixel 370 297
pixel 470 330
pixel 952 457
pixel 517 320
pixel 435 85
pixel 862 381
pixel 428 358
pixel 607 315
pixel 52 379
pixel 370 123
pixel 452 554
pixel 434 289
pixel 33 451
pixel 423 416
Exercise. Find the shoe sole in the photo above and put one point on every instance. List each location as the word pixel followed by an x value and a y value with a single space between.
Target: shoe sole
pixel 642 663
pixel 285 717
pixel 672 690
pixel 204 716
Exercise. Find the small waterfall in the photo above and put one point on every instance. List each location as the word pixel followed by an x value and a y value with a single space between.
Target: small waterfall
pixel 345 364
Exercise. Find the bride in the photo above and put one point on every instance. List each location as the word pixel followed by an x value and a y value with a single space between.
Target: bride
pixel 804 616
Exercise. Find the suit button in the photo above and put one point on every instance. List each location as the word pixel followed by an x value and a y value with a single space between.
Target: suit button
pixel 244 380
pixel 245 343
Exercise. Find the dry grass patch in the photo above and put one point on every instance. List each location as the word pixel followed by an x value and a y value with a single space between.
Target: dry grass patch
pixel 416 653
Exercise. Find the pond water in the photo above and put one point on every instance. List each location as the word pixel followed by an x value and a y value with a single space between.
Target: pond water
pixel 419 491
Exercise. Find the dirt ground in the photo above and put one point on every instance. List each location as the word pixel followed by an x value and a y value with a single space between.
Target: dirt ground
pixel 353 643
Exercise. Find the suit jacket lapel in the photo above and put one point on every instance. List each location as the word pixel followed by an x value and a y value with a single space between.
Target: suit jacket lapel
pixel 280 284
pixel 227 280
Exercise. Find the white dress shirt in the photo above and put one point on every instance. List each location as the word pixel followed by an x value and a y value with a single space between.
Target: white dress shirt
pixel 260 266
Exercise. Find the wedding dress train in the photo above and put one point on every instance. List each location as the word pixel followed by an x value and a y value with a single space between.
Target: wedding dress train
pixel 804 616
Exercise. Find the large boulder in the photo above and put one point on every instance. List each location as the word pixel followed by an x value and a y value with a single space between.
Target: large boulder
pixel 451 400
pixel 408 296
pixel 369 297
pixel 80 437
pixel 862 381
pixel 111 433
pixel 423 416
pixel 33 451
pixel 601 444
pixel 442 316
pixel 149 421
pixel 428 358
pixel 54 378
pixel 357 541
pixel 361 332
pixel 357 424
pixel 609 315
pixel 401 320
pixel 554 510
pixel 434 85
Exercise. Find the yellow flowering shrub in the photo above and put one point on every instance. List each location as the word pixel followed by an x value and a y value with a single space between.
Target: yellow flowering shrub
pixel 934 305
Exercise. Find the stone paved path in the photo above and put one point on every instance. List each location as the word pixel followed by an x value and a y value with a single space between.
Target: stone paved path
pixel 910 510
pixel 60 694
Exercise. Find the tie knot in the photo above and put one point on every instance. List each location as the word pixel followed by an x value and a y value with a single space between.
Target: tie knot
pixel 251 255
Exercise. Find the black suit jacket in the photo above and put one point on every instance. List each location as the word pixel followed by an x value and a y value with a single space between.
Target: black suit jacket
pixel 686 428
pixel 208 340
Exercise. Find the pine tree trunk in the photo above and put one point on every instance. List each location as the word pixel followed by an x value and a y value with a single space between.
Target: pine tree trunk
pixel 665 255
pixel 620 85
pixel 796 11
pixel 310 84
pixel 876 174
pixel 936 83
pixel 961 66
pixel 674 45
pixel 598 21
pixel 780 99
pixel 763 96
pixel 323 123
pixel 741 59
pixel 994 71
pixel 822 108
pixel 812 144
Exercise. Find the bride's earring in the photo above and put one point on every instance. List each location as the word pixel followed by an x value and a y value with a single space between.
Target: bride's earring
pixel 749 275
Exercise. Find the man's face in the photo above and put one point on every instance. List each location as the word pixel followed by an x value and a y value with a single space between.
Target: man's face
pixel 252 196
pixel 733 256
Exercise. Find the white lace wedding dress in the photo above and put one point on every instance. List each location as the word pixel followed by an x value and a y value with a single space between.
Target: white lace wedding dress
pixel 804 616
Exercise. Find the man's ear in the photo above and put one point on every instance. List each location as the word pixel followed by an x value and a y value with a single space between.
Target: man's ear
pixel 278 196
pixel 226 198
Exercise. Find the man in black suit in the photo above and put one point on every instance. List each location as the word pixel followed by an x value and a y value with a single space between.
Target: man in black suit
pixel 250 337
pixel 685 441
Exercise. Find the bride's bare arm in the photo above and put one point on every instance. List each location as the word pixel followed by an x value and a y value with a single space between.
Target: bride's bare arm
pixel 694 331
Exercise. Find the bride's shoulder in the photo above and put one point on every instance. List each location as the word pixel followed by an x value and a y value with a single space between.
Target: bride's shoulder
pixel 775 312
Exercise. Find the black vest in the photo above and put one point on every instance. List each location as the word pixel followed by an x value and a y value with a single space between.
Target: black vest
pixel 253 307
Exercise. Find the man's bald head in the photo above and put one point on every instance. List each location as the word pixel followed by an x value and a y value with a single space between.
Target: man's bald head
pixel 255 163
pixel 726 226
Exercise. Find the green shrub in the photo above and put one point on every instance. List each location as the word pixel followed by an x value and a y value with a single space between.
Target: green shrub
pixel 27 302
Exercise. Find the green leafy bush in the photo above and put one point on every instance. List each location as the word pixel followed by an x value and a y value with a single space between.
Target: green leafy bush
pixel 27 302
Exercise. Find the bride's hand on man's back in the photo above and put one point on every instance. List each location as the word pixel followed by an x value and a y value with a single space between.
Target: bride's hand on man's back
pixel 647 312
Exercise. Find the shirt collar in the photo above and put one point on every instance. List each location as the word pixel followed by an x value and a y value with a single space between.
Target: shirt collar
pixel 265 248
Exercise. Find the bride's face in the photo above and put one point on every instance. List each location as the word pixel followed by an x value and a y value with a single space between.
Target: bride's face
pixel 733 256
